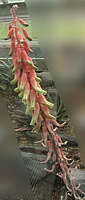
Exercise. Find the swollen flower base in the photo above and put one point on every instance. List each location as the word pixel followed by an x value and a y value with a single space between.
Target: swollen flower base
pixel 29 89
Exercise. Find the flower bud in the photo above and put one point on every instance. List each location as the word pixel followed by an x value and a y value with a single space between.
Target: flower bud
pixel 22 22
pixel 34 85
pixel 20 95
pixel 14 81
pixel 26 46
pixel 26 34
pixel 16 90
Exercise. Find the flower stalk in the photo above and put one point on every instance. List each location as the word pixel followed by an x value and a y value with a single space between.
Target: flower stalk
pixel 29 89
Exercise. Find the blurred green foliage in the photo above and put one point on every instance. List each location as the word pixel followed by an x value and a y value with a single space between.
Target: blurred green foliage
pixel 62 115
pixel 4 29
pixel 64 30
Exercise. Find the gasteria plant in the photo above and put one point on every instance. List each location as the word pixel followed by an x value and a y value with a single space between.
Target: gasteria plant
pixel 29 89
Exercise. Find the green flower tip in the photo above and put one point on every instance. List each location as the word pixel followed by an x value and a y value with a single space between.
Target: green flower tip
pixel 34 119
pixel 20 95
pixel 38 79
pixel 21 87
pixel 40 91
pixel 21 41
pixel 13 82
pixel 51 117
pixel 32 123
pixel 28 109
pixel 29 62
pixel 36 129
pixel 19 60
pixel 16 90
pixel 49 104
pixel 26 24
pixel 14 70
pixel 35 67
pixel 25 97
pixel 32 104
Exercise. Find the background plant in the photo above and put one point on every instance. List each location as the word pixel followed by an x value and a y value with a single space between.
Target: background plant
pixel 62 115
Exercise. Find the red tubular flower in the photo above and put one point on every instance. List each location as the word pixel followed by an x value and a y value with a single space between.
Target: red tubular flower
pixel 36 88
pixel 28 108
pixel 18 53
pixel 14 59
pixel 26 93
pixel 30 62
pixel 58 139
pixel 44 133
pixel 16 77
pixel 26 34
pixel 17 89
pixel 49 126
pixel 22 22
pixel 32 73
pixel 49 153
pixel 25 58
pixel 27 68
pixel 35 114
pixel 12 49
pixel 18 36
pixel 57 124
pixel 42 100
pixel 23 81
pixel 10 33
pixel 26 46
pixel 54 157
pixel 46 112
pixel 15 63
pixel 10 26
pixel 32 98
pixel 39 122
pixel 17 74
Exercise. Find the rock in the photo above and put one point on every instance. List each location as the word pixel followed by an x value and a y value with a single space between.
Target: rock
pixel 71 141
pixel 42 182
pixel 79 176
pixel 52 93
pixel 52 97
pixel 41 64
pixel 46 79
pixel 32 162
